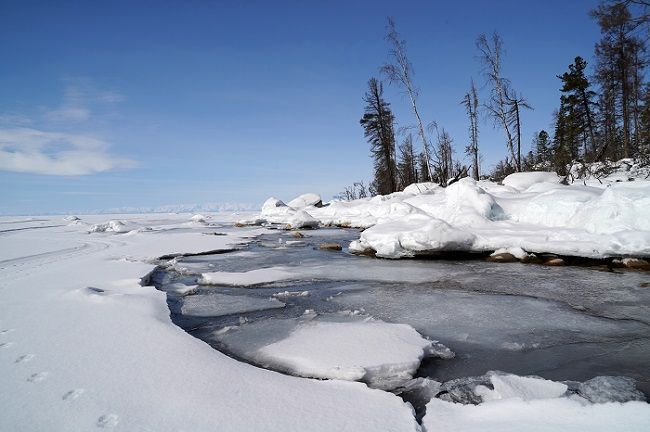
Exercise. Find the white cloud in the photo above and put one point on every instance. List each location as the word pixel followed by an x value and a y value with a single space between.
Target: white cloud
pixel 54 153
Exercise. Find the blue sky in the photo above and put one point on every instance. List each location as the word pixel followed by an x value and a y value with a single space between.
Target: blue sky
pixel 146 103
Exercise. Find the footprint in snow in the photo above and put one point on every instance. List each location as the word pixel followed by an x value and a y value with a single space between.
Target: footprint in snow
pixel 6 344
pixel 24 358
pixel 73 394
pixel 38 377
pixel 108 421
pixel 5 331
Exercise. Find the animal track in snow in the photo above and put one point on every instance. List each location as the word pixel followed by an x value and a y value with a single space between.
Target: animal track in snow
pixel 108 421
pixel 38 377
pixel 73 394
pixel 24 358
pixel 6 344
pixel 5 331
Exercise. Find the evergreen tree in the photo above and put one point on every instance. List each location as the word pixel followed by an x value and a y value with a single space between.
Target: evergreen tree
pixel 542 148
pixel 407 165
pixel 620 64
pixel 578 99
pixel 377 122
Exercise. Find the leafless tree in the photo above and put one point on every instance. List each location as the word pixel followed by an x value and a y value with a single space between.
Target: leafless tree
pixel 400 71
pixel 471 106
pixel 490 54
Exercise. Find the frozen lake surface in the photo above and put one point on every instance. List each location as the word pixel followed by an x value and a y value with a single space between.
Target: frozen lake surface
pixel 560 323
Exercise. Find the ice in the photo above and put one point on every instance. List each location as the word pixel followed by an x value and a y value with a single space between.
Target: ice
pixel 505 386
pixel 249 278
pixel 603 389
pixel 383 355
pixel 288 294
pixel 301 219
pixel 216 304
pixel 198 218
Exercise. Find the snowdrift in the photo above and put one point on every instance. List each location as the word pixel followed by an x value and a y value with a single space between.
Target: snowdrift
pixel 531 211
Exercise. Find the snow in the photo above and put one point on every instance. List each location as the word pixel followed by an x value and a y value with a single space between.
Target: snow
pixel 116 226
pixel 306 200
pixel 535 404
pixel 252 277
pixel 523 180
pixel 349 347
pixel 85 345
pixel 378 353
pixel 529 212
pixel 216 304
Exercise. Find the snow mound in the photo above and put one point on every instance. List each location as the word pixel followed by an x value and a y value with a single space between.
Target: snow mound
pixel 301 219
pixel 71 218
pixel 198 218
pixel 419 188
pixel 381 354
pixel 306 200
pixel 115 226
pixel 411 235
pixel 524 180
pixel 214 304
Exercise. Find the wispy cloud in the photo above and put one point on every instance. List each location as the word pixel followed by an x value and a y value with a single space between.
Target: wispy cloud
pixel 80 98
pixel 29 145
pixel 53 153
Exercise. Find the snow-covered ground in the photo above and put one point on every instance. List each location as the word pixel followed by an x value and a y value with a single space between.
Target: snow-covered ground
pixel 84 345
pixel 529 212
pixel 86 342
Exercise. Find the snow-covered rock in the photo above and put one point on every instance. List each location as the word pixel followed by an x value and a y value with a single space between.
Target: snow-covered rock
pixel 306 200
pixel 116 226
pixel 524 180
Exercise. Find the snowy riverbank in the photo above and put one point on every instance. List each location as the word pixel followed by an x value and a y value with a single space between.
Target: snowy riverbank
pixel 527 213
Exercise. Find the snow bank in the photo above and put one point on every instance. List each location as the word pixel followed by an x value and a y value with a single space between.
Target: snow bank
pixel 516 403
pixel 306 200
pixel 530 212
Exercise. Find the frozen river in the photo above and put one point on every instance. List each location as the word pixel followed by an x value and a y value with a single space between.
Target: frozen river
pixel 560 323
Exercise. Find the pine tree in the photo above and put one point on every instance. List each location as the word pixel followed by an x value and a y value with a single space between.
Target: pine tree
pixel 407 165
pixel 542 148
pixel 377 122
pixel 579 99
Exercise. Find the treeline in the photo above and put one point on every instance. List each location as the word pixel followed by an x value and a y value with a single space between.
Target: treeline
pixel 601 117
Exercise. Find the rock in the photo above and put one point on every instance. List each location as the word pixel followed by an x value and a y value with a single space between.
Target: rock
pixel 610 389
pixel 461 390
pixel 503 257
pixel 330 246
pixel 532 259
pixel 644 284
pixel 298 234
pixel 636 264
pixel 554 262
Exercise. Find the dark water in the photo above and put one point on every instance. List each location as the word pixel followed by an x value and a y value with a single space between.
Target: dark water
pixel 561 323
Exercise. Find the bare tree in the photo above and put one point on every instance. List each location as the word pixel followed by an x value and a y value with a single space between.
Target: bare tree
pixel 471 105
pixel 516 103
pixel 401 72
pixel 491 51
